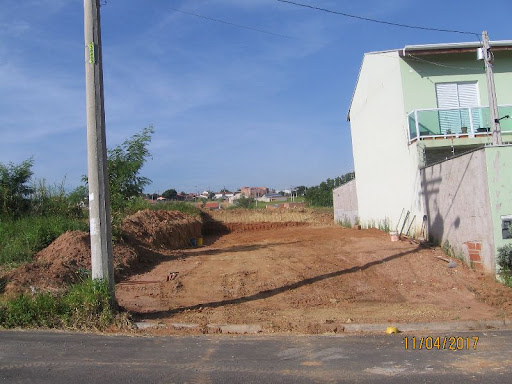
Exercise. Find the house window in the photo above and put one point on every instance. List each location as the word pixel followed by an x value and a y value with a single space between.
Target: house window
pixel 506 226
pixel 458 101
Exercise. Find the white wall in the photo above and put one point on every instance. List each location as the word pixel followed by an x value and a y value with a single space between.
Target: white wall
pixel 386 166
pixel 345 203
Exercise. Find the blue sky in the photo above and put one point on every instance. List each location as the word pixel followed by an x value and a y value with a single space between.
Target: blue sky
pixel 230 106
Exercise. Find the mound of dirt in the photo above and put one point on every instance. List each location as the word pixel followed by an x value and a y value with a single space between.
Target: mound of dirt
pixel 161 229
pixel 63 262
pixel 68 258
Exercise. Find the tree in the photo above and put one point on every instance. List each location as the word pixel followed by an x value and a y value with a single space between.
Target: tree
pixel 14 191
pixel 124 164
pixel 300 190
pixel 170 194
pixel 244 202
pixel 321 195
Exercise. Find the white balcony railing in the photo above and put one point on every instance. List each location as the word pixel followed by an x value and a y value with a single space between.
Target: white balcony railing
pixel 460 122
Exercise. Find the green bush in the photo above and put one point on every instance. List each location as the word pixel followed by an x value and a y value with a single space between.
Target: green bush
pixel 88 305
pixel 244 202
pixel 83 306
pixel 14 190
pixel 19 312
pixel 124 164
pixel 504 261
pixel 52 200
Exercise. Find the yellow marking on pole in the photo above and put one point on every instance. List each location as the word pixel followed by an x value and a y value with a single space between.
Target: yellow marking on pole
pixel 92 58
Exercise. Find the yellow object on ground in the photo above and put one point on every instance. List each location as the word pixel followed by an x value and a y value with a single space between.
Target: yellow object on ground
pixel 390 330
pixel 199 241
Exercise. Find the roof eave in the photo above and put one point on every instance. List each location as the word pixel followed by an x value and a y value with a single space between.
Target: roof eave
pixel 440 49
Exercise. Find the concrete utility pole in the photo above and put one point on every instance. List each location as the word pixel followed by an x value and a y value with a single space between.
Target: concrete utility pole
pixel 493 104
pixel 99 200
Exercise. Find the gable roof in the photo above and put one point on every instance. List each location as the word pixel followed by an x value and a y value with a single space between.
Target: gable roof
pixel 434 49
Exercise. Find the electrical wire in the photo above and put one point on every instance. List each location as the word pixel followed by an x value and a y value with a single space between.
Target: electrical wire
pixel 379 21
pixel 442 65
pixel 232 24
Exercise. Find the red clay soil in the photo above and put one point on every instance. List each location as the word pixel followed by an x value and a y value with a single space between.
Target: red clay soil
pixel 63 262
pixel 68 258
pixel 224 228
pixel 286 278
pixel 161 229
pixel 293 279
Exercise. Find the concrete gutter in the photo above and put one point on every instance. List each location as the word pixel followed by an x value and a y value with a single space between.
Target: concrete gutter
pixel 444 326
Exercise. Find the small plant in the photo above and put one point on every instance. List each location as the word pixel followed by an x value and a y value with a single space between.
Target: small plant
pixel 345 222
pixel 451 251
pixel 504 261
pixel 384 225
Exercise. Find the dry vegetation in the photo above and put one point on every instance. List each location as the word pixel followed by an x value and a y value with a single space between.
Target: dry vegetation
pixel 298 215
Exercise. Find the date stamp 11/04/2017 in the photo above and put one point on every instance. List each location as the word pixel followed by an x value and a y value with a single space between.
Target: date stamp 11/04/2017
pixel 451 343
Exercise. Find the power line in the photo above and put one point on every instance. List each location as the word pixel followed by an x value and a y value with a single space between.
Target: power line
pixel 232 24
pixel 379 21
pixel 443 65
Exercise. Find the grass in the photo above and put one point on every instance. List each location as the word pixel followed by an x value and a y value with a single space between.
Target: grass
pixel 345 222
pixel 139 204
pixel 83 306
pixel 21 238
pixel 188 208
pixel 383 225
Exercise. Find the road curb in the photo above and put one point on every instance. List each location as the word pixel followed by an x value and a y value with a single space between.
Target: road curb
pixel 212 328
pixel 444 326
pixel 470 325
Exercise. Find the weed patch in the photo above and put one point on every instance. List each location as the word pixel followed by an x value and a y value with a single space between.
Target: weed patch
pixel 83 306
pixel 21 238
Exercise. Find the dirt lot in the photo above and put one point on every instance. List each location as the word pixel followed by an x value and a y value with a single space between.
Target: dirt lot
pixel 284 271
pixel 292 279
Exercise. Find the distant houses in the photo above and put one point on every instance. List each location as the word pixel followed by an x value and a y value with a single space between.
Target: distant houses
pixel 253 191
pixel 260 194
pixel 269 197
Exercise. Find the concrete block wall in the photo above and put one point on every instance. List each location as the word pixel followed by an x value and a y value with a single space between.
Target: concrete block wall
pixel 457 202
pixel 345 203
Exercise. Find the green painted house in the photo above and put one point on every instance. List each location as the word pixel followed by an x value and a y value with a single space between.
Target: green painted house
pixel 421 135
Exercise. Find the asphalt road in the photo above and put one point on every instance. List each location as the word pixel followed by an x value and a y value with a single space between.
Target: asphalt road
pixel 58 357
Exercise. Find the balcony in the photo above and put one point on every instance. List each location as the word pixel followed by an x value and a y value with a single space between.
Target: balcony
pixel 455 123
